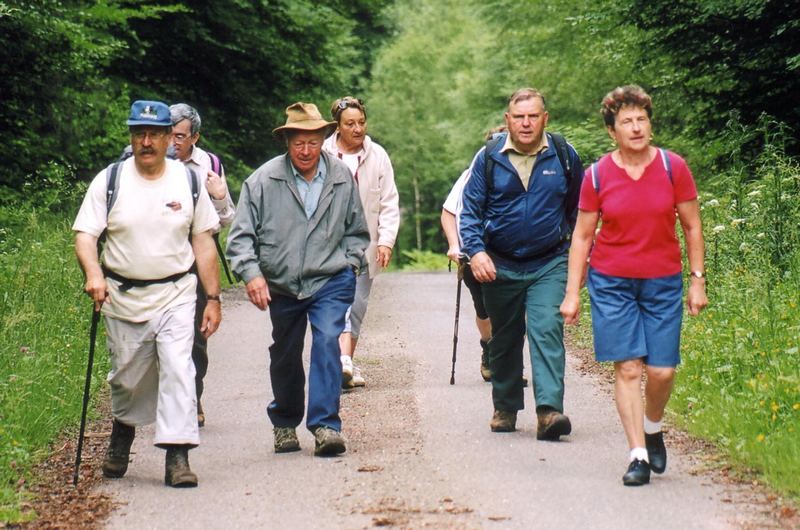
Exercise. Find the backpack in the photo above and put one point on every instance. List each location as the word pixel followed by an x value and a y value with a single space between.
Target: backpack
pixel 112 185
pixel 561 150
pixel 216 163
pixel 595 170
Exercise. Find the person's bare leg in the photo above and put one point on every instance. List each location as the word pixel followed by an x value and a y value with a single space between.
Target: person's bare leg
pixel 628 395
pixel 657 391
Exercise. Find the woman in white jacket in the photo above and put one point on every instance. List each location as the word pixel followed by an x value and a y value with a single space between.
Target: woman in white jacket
pixel 372 169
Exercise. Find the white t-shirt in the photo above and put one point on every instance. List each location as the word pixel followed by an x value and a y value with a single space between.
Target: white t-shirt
pixel 455 200
pixel 147 238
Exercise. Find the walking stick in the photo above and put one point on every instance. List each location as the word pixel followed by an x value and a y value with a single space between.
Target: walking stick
pixel 222 258
pixel 460 274
pixel 86 388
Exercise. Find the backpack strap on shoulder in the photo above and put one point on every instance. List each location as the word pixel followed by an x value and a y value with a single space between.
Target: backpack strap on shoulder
pixel 666 162
pixel 595 172
pixel 194 185
pixel 216 163
pixel 488 162
pixel 112 185
pixel 563 154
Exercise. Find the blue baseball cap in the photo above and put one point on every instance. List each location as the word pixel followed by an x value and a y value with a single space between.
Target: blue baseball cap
pixel 149 113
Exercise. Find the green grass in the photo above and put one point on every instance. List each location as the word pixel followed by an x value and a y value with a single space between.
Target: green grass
pixel 43 345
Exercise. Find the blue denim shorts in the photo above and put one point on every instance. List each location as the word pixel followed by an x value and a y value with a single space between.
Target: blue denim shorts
pixel 635 318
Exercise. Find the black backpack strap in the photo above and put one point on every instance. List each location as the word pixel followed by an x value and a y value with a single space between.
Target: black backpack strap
pixel 488 162
pixel 562 150
pixel 112 185
pixel 194 184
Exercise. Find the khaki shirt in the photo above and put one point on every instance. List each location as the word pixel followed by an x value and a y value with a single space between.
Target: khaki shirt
pixel 522 162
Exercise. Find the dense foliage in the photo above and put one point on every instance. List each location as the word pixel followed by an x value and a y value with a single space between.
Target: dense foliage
pixel 69 71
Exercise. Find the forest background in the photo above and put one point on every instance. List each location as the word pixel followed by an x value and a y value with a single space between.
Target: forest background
pixel 435 76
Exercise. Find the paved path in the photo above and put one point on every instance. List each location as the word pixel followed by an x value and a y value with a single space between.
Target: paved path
pixel 420 452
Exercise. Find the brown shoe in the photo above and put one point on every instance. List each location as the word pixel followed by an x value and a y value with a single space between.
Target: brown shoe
pixel 486 373
pixel 177 472
pixel 201 415
pixel 503 421
pixel 285 439
pixel 118 452
pixel 552 425
pixel 328 442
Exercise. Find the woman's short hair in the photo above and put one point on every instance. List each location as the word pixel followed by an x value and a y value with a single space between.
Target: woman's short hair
pixel 347 102
pixel 624 96
pixel 181 111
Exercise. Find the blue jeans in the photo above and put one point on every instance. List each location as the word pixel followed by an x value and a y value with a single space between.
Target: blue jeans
pixel 290 316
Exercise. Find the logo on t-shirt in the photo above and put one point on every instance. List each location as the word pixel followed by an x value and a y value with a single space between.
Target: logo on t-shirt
pixel 175 206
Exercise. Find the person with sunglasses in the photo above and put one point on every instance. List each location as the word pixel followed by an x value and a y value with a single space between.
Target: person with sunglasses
pixel 374 176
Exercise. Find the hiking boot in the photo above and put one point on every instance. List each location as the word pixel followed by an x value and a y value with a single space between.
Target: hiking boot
pixel 201 415
pixel 503 421
pixel 656 451
pixel 552 424
pixel 118 452
pixel 347 371
pixel 285 439
pixel 358 379
pixel 486 373
pixel 177 472
pixel 328 442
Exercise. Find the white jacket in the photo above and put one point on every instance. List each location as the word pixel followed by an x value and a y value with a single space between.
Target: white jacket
pixel 378 194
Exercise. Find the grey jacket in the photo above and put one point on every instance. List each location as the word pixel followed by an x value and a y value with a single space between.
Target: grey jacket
pixel 271 236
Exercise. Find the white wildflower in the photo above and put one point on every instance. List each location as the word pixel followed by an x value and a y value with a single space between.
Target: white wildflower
pixel 719 228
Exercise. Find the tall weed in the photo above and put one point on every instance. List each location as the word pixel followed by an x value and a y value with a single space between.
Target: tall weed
pixel 740 383
pixel 44 319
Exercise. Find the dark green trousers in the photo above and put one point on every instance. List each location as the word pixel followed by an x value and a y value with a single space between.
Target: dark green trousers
pixel 517 301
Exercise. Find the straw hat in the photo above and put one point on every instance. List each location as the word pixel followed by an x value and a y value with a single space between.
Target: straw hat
pixel 305 117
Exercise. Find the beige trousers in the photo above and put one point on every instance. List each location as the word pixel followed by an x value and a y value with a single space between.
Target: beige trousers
pixel 152 374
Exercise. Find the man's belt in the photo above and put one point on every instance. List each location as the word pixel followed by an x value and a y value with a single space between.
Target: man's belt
pixel 127 283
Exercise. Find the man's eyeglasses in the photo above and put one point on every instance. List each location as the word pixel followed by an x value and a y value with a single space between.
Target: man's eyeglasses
pixel 180 137
pixel 154 135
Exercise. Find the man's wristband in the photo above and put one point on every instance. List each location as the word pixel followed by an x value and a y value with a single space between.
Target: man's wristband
pixel 214 297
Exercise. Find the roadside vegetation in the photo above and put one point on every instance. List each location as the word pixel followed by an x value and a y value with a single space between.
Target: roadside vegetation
pixel 435 75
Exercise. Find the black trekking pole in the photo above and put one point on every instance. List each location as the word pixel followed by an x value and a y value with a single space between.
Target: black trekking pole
pixel 86 388
pixel 222 258
pixel 460 274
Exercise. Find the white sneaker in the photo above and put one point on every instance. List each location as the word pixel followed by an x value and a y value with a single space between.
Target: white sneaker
pixel 347 369
pixel 358 379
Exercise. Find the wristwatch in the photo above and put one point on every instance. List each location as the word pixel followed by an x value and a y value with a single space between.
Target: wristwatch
pixel 697 274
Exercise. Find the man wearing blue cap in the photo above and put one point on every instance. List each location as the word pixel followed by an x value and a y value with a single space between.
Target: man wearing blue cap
pixel 145 285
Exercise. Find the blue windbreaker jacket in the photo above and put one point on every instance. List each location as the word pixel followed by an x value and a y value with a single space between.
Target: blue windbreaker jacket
pixel 521 229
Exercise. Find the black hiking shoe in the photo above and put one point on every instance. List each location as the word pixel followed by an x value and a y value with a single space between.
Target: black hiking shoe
pixel 177 472
pixel 638 473
pixel 115 464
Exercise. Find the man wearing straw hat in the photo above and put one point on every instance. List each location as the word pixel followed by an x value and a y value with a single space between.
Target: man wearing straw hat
pixel 298 241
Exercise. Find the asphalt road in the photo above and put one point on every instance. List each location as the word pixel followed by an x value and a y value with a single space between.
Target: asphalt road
pixel 420 452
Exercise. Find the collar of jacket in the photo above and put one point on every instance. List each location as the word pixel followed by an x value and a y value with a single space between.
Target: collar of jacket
pixel 502 158
pixel 333 176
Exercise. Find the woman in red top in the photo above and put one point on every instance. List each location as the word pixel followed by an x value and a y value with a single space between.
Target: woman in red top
pixel 634 278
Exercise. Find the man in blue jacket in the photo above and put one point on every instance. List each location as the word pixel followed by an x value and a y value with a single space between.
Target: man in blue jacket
pixel 515 226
